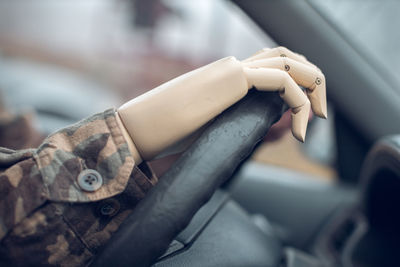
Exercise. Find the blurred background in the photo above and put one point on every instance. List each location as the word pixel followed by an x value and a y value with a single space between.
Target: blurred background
pixel 61 61
pixel 124 47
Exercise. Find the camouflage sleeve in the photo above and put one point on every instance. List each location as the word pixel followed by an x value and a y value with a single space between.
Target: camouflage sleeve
pixel 59 203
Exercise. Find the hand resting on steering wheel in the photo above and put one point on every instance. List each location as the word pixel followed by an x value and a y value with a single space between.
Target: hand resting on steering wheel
pixel 165 115
pixel 192 180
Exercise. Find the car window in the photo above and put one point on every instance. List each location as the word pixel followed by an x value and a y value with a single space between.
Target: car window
pixel 50 50
pixel 372 26
pixel 126 47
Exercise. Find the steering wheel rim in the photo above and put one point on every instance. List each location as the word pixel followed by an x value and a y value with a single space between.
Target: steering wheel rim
pixel 191 181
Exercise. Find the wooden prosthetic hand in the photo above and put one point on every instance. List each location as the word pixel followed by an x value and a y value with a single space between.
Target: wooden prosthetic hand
pixel 167 114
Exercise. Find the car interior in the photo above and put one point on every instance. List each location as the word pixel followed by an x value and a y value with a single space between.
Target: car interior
pixel 214 209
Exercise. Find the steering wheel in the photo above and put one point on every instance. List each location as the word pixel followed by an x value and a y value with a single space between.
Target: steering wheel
pixel 191 181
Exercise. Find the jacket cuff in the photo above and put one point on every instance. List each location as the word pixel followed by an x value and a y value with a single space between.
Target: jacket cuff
pixel 87 161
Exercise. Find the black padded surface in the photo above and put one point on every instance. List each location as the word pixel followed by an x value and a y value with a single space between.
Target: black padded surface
pixel 202 217
pixel 230 239
pixel 198 223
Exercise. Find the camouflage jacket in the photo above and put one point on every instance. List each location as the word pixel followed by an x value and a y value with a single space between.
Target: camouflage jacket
pixel 61 202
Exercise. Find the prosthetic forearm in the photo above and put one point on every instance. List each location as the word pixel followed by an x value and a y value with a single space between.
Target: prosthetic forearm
pixel 167 114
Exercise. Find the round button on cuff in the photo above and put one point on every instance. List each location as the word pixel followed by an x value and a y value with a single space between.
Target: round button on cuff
pixel 90 180
pixel 109 207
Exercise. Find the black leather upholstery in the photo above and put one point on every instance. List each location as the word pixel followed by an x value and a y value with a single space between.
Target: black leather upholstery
pixel 230 239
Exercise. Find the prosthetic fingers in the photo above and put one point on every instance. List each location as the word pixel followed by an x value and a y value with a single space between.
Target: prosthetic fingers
pixel 281 69
pixel 160 118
